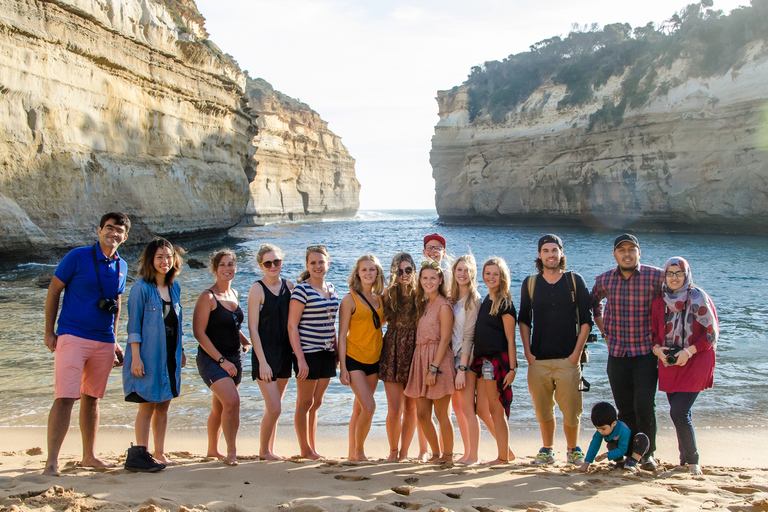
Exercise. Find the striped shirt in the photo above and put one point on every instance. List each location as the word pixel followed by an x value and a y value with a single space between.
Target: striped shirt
pixel 317 329
pixel 627 318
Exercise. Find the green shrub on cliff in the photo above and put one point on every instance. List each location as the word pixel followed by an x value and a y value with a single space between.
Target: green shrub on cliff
pixel 586 59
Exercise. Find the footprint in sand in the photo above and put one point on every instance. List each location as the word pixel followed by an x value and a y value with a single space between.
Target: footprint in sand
pixel 534 505
pixel 412 480
pixel 351 478
pixel 403 490
pixel 454 495
pixel 406 505
pixel 739 489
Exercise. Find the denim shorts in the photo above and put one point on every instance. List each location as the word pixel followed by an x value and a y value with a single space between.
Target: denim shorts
pixel 211 371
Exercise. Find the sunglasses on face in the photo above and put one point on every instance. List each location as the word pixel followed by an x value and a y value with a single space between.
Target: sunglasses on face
pixel 430 264
pixel 434 247
pixel 679 273
pixel 406 270
pixel 276 263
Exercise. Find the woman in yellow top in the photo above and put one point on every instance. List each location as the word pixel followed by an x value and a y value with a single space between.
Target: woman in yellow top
pixel 360 339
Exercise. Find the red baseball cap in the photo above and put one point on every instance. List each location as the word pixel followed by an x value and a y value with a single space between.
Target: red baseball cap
pixel 434 236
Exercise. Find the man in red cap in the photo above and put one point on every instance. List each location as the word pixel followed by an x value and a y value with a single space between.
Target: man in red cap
pixel 434 250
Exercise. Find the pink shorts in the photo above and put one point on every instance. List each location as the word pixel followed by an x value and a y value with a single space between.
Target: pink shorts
pixel 81 366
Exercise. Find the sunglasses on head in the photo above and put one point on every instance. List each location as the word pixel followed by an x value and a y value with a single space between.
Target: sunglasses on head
pixel 430 264
pixel 275 262
pixel 316 248
pixel 406 270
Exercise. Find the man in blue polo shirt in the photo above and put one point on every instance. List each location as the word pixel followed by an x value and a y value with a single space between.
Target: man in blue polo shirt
pixel 92 279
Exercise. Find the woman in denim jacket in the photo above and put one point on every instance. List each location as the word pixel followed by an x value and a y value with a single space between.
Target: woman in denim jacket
pixel 154 355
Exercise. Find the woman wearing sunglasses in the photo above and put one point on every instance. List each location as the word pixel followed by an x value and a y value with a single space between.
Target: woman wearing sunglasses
pixel 466 302
pixel 312 331
pixel 268 303
pixel 360 340
pixel 685 331
pixel 495 353
pixel 216 325
pixel 396 355
pixel 431 377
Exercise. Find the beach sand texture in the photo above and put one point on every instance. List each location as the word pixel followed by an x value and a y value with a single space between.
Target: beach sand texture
pixel 739 482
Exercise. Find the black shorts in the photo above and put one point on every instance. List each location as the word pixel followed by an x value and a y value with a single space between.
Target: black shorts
pixel 284 372
pixel 211 371
pixel 368 369
pixel 322 364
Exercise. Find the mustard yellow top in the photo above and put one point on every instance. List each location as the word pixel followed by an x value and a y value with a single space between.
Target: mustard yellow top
pixel 364 340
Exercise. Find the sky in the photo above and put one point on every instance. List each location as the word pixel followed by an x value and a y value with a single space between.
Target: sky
pixel 372 69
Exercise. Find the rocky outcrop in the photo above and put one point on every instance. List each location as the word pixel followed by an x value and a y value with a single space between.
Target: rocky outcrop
pixel 116 105
pixel 301 168
pixel 691 158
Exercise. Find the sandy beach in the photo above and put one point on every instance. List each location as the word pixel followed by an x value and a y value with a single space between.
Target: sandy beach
pixel 735 463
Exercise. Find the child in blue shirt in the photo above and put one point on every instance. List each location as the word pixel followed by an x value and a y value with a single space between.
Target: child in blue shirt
pixel 616 435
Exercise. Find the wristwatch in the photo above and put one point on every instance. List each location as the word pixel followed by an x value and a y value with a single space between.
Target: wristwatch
pixel 513 369
pixel 463 368
pixel 221 360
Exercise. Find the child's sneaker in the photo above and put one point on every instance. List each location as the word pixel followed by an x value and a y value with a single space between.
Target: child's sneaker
pixel 630 464
pixel 575 456
pixel 545 456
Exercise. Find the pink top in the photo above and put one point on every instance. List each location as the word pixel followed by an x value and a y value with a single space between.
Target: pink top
pixel 699 372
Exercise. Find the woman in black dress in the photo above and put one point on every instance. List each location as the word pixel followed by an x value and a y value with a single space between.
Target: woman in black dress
pixel 268 303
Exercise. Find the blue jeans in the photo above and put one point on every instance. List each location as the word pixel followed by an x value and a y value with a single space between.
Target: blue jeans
pixel 680 404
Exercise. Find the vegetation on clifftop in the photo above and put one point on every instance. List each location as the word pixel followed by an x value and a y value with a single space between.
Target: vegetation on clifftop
pixel 586 59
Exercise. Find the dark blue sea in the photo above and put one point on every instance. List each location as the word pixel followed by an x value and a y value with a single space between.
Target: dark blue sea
pixel 732 269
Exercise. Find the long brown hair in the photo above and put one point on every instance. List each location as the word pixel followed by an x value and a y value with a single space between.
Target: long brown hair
pixel 421 297
pixel 147 270
pixel 502 299
pixel 393 293
pixel 320 249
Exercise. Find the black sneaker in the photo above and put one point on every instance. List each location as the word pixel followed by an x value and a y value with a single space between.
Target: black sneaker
pixel 630 464
pixel 649 464
pixel 140 460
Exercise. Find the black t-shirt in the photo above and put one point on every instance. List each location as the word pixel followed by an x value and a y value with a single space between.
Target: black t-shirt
pixel 554 317
pixel 489 330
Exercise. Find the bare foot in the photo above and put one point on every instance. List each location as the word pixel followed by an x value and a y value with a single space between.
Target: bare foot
pixel 445 458
pixel 93 462
pixel 52 469
pixel 230 459
pixel 497 461
pixel 269 456
pixel 392 456
pixel 402 457
pixel 312 456
pixel 422 457
pixel 434 458
pixel 216 455
pixel 162 459
pixel 469 461
pixel 511 455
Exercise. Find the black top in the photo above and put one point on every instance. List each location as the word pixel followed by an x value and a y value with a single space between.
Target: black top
pixel 273 329
pixel 489 330
pixel 171 340
pixel 554 316
pixel 223 329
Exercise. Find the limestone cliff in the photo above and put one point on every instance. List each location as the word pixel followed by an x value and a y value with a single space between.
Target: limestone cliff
pixel 116 105
pixel 692 157
pixel 302 170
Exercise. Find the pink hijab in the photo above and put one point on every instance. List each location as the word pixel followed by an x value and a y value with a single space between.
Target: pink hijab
pixel 689 301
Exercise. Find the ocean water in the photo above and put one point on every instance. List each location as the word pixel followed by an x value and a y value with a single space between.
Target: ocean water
pixel 733 270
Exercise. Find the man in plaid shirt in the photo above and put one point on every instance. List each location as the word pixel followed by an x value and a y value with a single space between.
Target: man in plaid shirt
pixel 626 326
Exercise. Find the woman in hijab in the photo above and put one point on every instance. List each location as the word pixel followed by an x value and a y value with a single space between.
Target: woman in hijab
pixel 685 331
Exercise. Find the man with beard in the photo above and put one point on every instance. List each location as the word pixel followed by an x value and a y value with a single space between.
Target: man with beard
pixel 626 326
pixel 560 308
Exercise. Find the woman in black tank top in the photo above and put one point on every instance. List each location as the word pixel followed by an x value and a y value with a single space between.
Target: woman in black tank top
pixel 216 324
pixel 268 303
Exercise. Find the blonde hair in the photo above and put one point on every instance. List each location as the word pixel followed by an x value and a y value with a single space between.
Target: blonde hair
pixel 472 293
pixel 355 284
pixel 502 298
pixel 421 298
pixel 265 248
pixel 218 255
pixel 319 249
pixel 393 291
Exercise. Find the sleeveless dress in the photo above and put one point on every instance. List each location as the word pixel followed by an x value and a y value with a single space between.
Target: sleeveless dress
pixel 273 333
pixel 427 341
pixel 399 344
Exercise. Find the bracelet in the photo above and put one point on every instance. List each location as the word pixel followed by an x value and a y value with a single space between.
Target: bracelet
pixel 690 355
pixel 433 368
pixel 463 368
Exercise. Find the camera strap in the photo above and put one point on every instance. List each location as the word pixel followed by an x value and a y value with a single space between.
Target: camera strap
pixel 96 268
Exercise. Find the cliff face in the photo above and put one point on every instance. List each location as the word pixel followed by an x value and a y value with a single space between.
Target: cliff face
pixel 302 170
pixel 116 105
pixel 693 157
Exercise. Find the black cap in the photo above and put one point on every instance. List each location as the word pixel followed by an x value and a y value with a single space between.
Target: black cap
pixel 626 237
pixel 550 239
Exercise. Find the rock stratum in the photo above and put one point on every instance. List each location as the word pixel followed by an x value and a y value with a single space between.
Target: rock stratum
pixel 302 168
pixel 127 105
pixel 692 158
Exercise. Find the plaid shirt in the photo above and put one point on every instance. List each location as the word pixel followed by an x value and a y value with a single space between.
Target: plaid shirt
pixel 627 319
